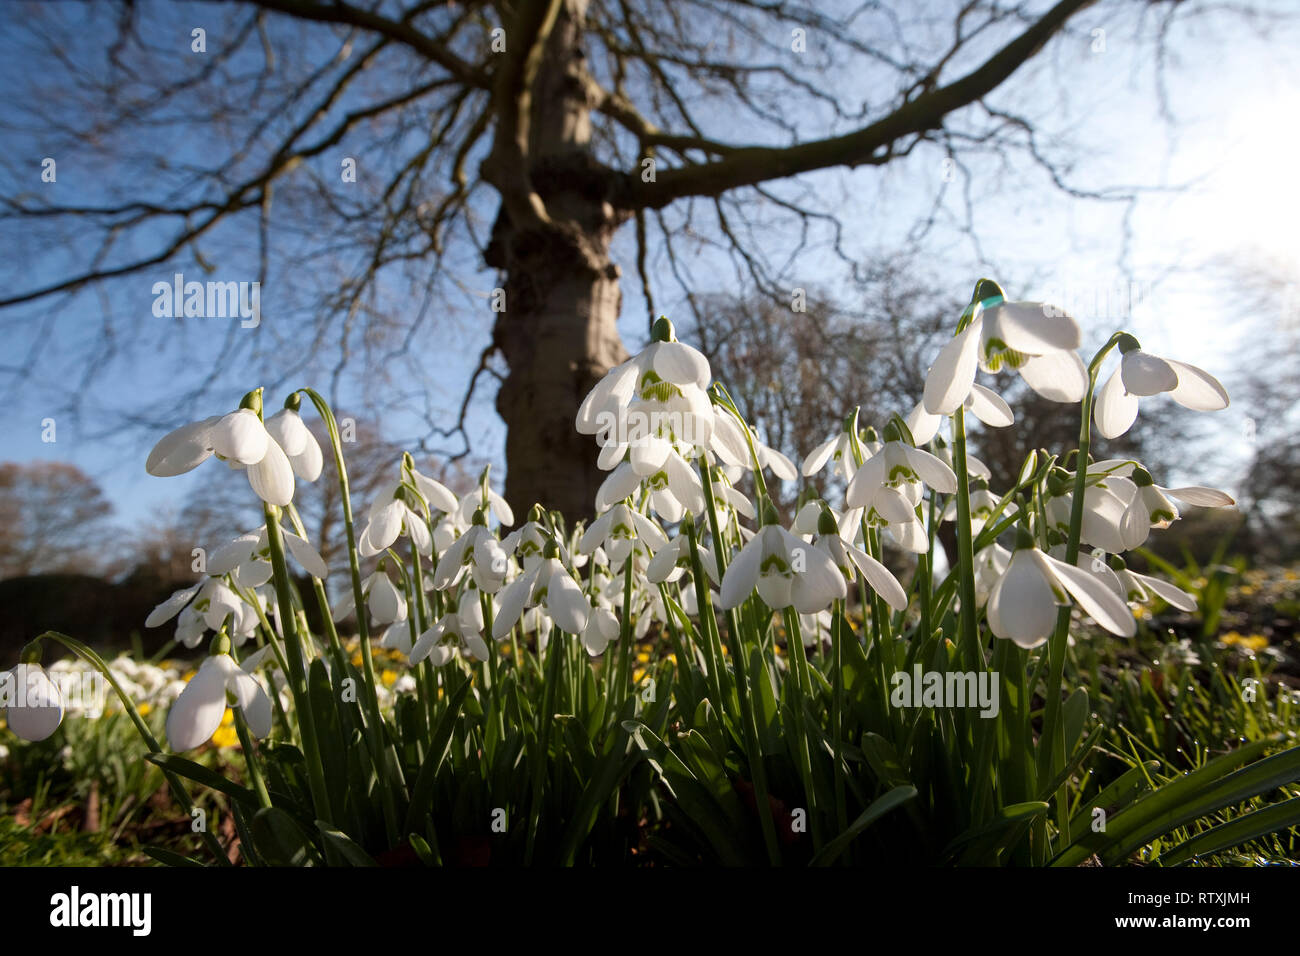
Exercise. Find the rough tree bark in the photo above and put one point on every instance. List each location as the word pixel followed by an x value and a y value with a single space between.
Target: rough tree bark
pixel 559 330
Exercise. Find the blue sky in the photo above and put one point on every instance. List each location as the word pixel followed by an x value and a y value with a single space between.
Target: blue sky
pixel 1234 97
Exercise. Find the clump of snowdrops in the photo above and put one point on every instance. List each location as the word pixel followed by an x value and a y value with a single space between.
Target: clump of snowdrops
pixel 686 679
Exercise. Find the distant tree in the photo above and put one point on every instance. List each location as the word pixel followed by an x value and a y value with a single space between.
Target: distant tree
pixel 53 515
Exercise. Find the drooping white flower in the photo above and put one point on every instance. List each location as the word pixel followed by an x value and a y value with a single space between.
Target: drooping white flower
pixel 889 485
pixel 549 584
pixel 391 517
pixel 674 489
pixel 602 628
pixel 1023 604
pixel 787 572
pixel 1141 374
pixel 1036 340
pixel 241 440
pixel 453 635
pixel 655 399
pixel 479 552
pixel 198 711
pixel 32 702
pixel 984 403
pixel 619 530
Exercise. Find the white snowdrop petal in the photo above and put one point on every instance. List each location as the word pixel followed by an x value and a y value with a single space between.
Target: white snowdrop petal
pixel 306 555
pixel 742 574
pixel 1200 496
pixel 1093 596
pixel 196 714
pixel 681 364
pixel 1033 328
pixel 1115 409
pixel 181 450
pixel 241 437
pixel 1146 374
pixel 272 477
pixel 932 470
pixel 922 425
pixel 1197 389
pixel 1057 376
pixel 950 377
pixel 1021 607
pixel 989 407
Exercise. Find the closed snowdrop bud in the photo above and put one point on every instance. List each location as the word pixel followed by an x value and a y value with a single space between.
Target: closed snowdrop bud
pixel 1141 374
pixel 32 702
pixel 197 712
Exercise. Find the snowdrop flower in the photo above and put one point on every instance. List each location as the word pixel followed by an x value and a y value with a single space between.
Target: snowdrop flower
pixel 619 530
pixel 990 564
pixel 1148 505
pixel 982 503
pixel 248 557
pixel 1023 605
pixel 390 517
pixel 198 711
pixel 1141 374
pixel 208 605
pixel 657 398
pixel 291 433
pixel 890 483
pixel 240 439
pixel 673 560
pixel 1036 340
pixel 674 489
pixel 730 442
pixel 984 403
pixel 528 542
pixel 34 706
pixel 1139 588
pixel 852 561
pixel 453 635
pixel 495 506
pixel 479 551
pixel 385 602
pixel 602 628
pixel 786 570
pixel 550 585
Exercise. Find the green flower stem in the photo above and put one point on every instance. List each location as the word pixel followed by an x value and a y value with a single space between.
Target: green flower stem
pixel 384 754
pixel 250 758
pixel 177 787
pixel 837 714
pixel 322 600
pixel 708 622
pixel 297 672
pixel 494 652
pixel 740 659
pixel 545 718
pixel 799 668
pixel 1051 756
pixel 972 651
pixel 624 640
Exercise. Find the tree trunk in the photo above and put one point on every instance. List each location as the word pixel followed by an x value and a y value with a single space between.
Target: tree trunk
pixel 558 332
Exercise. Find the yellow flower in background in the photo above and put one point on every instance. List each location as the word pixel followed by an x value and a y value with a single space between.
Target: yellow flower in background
pixel 143 709
pixel 226 735
pixel 388 676
pixel 1251 642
